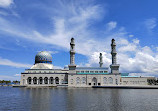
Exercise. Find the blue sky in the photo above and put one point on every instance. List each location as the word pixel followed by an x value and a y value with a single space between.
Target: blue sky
pixel 29 26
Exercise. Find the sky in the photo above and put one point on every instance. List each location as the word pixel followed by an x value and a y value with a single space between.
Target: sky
pixel 30 26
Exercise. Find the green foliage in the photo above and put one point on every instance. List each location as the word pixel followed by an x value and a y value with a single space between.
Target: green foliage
pixel 5 82
pixel 16 82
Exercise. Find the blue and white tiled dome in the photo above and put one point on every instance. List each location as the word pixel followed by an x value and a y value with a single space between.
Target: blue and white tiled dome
pixel 43 57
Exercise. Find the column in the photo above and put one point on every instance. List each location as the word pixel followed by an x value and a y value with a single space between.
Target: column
pixel 42 81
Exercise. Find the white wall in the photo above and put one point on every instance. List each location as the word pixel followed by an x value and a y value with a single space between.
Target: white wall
pixel 77 80
pixel 24 77
pixel 134 81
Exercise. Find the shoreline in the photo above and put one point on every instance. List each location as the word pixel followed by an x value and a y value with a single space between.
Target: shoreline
pixel 128 87
pixel 118 87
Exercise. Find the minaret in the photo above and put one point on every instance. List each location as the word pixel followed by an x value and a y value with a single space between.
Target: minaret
pixel 72 65
pixel 114 66
pixel 101 60
pixel 72 52
pixel 113 51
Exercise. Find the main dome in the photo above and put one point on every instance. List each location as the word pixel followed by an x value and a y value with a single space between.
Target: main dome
pixel 43 57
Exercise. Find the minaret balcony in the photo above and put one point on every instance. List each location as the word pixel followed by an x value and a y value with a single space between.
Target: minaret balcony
pixel 72 43
pixel 113 53
pixel 72 50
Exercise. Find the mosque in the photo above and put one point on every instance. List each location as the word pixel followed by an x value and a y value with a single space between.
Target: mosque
pixel 43 74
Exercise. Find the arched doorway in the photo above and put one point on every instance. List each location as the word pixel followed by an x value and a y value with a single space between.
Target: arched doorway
pixel 110 80
pixel 40 80
pixel 77 80
pixel 35 80
pixel 56 80
pixel 46 80
pixel 51 80
pixel 105 80
pixel 94 81
pixel 71 81
pixel 116 82
pixel 83 80
pixel 29 80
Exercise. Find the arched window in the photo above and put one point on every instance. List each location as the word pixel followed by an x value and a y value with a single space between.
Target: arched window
pixel 57 80
pixel 77 80
pixel 35 80
pixel 71 81
pixel 46 80
pixel 51 80
pixel 105 80
pixel 116 81
pixel 94 81
pixel 29 80
pixel 83 80
pixel 110 80
pixel 40 80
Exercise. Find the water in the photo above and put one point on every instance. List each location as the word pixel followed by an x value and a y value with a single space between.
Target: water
pixel 77 99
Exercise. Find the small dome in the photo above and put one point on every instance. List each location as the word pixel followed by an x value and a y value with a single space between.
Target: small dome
pixel 43 57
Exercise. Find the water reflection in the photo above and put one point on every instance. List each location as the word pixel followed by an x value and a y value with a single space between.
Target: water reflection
pixel 40 99
pixel 77 99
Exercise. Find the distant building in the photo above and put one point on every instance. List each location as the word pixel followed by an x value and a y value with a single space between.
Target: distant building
pixel 43 74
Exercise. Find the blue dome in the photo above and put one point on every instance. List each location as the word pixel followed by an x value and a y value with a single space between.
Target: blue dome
pixel 43 57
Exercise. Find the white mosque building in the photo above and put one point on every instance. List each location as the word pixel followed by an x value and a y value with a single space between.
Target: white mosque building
pixel 42 73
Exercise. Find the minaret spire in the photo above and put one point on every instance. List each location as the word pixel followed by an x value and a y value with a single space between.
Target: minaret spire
pixel 101 60
pixel 113 51
pixel 114 66
pixel 72 52
pixel 72 66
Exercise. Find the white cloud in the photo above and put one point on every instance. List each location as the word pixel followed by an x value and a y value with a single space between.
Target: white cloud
pixel 13 64
pixel 76 25
pixel 131 35
pixel 126 46
pixel 111 25
pixel 94 59
pixel 136 41
pixel 132 58
pixel 123 41
pixel 7 62
pixel 143 60
pixel 6 3
pixel 17 75
pixel 74 20
pixel 150 23
pixel 51 52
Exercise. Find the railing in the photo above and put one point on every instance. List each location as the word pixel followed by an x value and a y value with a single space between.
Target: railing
pixel 91 73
